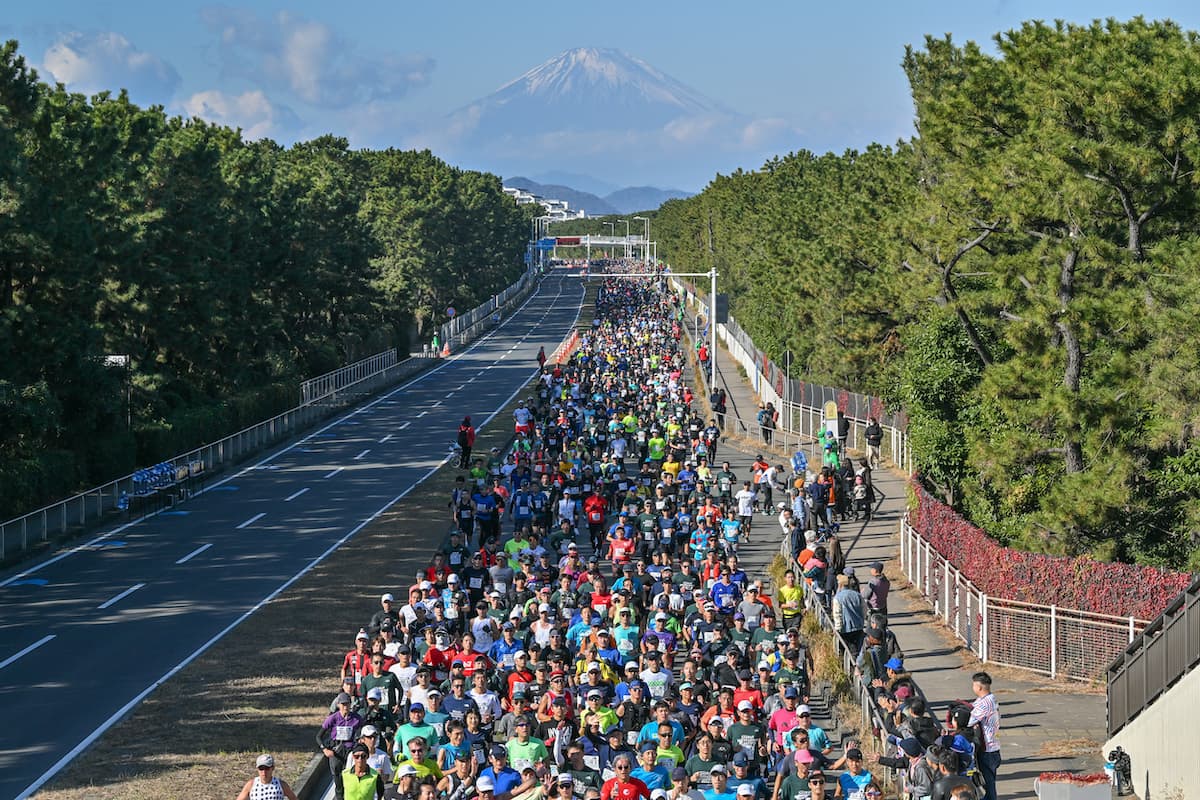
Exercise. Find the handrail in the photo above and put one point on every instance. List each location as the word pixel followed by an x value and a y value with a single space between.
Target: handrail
pixel 344 376
pixel 1163 652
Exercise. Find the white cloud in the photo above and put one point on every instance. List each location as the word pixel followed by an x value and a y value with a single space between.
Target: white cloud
pixel 91 63
pixel 251 111
pixel 310 59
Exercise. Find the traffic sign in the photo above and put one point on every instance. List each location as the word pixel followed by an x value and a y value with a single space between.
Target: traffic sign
pixel 450 312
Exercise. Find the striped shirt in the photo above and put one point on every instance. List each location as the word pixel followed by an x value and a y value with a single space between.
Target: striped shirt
pixel 985 710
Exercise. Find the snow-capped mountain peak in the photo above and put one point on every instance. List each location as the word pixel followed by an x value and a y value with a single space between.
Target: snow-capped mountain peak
pixel 602 73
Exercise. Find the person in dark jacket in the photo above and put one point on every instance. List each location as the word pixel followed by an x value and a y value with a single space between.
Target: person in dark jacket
pixel 466 440
pixel 918 774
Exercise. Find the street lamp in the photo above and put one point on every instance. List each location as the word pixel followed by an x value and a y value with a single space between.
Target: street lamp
pixel 646 242
pixel 626 235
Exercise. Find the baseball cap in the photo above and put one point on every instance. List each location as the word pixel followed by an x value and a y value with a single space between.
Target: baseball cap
pixel 745 790
pixel 343 698
pixel 416 707
pixel 854 753
pixel 595 693
pixel 370 730
pixel 718 768
pixel 805 756
pixel 894 663
pixel 387 596
pixel 265 760
pixel 791 692
pixel 483 783
pixel 362 635
pixel 745 705
pixel 565 779
pixel 361 748
pixel 911 747
pixel 593 666
pixel 679 774
pixel 498 751
pixel 375 693
pixel 738 616
pixel 803 709
pixel 740 760
pixel 452 578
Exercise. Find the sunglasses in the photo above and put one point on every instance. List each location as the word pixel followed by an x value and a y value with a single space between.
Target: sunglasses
pixel 360 755
pixel 622 767
pixel 264 769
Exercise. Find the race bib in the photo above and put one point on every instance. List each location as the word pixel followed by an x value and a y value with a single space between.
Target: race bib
pixel 631 737
pixel 592 763
pixel 476 583
pixel 343 733
pixel 455 558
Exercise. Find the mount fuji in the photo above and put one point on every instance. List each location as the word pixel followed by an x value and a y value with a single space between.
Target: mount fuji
pixel 603 112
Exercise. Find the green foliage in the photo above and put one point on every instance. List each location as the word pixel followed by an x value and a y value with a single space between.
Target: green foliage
pixel 226 270
pixel 1020 278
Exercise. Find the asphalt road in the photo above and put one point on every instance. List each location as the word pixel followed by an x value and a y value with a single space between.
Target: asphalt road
pixel 86 635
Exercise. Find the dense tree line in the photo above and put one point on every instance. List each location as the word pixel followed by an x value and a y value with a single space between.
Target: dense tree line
pixel 227 270
pixel 1021 277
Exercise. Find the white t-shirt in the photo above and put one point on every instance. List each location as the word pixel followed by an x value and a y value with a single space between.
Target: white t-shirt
pixel 745 501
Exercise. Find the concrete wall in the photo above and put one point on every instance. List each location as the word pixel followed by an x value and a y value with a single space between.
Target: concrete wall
pixel 1164 744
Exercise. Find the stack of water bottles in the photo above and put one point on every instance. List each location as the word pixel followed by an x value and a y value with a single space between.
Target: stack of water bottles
pixel 147 481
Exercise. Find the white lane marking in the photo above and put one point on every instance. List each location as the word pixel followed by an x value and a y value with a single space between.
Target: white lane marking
pixel 387 398
pixel 294 495
pixel 436 404
pixel 329 475
pixel 384 439
pixel 471 381
pixel 121 596
pixel 363 453
pixel 423 413
pixel 448 396
pixel 252 520
pixel 120 714
pixel 460 386
pixel 405 425
pixel 27 650
pixel 194 553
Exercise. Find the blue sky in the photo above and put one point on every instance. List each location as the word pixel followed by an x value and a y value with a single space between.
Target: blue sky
pixel 387 74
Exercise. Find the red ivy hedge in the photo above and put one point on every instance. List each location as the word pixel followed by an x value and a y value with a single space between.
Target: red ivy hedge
pixel 1082 583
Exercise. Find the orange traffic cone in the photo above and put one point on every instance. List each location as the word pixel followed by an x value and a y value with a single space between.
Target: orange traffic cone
pixel 445 350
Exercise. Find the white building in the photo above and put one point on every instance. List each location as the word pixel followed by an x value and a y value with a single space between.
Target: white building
pixel 557 210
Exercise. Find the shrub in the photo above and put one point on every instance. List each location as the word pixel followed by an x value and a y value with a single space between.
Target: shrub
pixel 1081 583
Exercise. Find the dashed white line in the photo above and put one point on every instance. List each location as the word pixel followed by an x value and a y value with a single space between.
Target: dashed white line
pixel 436 403
pixel 384 439
pixel 335 472
pixel 363 453
pixel 448 396
pixel 423 413
pixel 26 651
pixel 405 425
pixel 194 553
pixel 294 495
pixel 471 381
pixel 460 386
pixel 121 596
pixel 252 520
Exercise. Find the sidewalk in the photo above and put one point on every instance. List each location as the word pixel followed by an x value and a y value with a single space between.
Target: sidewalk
pixel 1038 717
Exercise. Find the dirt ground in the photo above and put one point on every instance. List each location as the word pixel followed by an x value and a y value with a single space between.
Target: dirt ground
pixel 266 686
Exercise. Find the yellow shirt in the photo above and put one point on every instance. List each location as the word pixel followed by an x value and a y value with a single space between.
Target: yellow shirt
pixel 790 594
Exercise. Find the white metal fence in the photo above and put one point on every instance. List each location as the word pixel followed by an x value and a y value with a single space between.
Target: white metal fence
pixel 463 328
pixel 1059 642
pixel 342 377
pixel 328 394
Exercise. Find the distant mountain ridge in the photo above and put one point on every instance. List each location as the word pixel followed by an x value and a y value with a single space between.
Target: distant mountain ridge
pixel 622 201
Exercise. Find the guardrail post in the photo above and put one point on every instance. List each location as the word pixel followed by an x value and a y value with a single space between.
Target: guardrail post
pixel 946 580
pixel 1053 641
pixel 970 622
pixel 983 635
pixel 1132 631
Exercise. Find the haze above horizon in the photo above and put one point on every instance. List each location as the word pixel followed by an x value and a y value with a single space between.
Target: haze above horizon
pixel 667 97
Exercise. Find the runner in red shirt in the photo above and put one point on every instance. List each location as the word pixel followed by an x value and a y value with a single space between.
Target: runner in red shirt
pixel 623 787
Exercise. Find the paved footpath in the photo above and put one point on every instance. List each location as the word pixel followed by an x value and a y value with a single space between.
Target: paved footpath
pixel 1035 713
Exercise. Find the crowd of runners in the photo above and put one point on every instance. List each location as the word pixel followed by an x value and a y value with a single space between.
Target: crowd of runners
pixel 586 630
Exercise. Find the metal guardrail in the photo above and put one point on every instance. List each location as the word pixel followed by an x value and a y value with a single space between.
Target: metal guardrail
pixel 1059 642
pixel 1166 650
pixel 97 503
pixel 355 383
pixel 342 377
pixel 464 327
